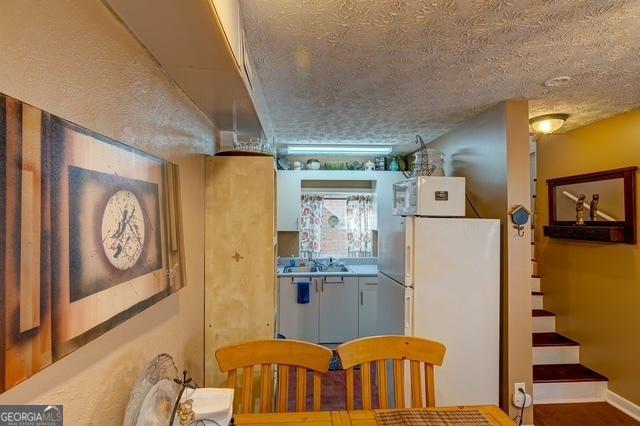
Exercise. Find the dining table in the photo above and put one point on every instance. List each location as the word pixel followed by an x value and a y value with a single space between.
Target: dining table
pixel 489 415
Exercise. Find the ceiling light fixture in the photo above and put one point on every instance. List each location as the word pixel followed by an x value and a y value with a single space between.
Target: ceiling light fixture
pixel 558 81
pixel 548 123
pixel 332 149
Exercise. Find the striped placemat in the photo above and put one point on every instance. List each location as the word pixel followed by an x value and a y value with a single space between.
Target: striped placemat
pixel 411 417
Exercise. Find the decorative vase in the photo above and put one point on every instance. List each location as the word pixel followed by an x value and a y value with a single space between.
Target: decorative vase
pixel 394 166
pixel 313 164
pixel 402 162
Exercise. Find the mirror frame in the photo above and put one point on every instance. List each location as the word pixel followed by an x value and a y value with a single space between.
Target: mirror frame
pixel 627 227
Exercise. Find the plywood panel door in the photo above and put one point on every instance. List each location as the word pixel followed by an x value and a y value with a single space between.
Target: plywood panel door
pixel 239 254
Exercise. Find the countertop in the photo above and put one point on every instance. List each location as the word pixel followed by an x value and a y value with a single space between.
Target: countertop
pixel 356 271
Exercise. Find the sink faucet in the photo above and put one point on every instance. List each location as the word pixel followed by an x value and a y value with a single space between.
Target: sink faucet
pixel 316 262
pixel 335 262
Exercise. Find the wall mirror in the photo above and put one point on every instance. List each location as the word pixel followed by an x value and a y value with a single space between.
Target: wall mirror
pixel 612 220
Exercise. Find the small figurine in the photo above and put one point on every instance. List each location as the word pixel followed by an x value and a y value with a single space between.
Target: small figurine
pixel 580 210
pixel 186 415
pixel 594 207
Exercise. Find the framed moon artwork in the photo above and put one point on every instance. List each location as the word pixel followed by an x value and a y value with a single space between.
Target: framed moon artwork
pixel 90 235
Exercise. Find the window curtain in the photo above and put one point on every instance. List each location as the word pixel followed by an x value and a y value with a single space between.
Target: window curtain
pixel 359 219
pixel 310 225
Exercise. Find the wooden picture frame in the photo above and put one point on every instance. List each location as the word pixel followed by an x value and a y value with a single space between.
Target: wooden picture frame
pixel 90 235
pixel 617 231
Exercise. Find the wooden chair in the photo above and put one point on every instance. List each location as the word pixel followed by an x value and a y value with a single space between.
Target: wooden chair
pixel 284 354
pixel 364 352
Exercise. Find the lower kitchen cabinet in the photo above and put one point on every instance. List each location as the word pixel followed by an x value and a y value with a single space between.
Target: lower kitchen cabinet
pixel 368 306
pixel 331 316
pixel 298 321
pixel 338 313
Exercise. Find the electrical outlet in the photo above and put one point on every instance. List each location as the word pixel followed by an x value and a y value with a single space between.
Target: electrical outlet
pixel 519 398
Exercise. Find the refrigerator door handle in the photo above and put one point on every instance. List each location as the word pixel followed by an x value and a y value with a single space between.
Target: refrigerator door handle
pixel 407 314
pixel 408 270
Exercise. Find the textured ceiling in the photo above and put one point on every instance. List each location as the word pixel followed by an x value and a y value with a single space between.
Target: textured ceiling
pixel 381 71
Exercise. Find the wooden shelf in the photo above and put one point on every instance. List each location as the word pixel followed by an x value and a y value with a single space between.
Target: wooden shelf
pixel 612 234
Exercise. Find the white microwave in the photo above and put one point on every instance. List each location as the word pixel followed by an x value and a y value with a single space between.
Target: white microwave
pixel 429 196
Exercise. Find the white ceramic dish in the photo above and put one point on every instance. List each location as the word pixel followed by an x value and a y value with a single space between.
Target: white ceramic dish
pixel 211 403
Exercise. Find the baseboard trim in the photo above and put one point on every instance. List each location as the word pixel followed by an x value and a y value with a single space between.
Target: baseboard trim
pixel 623 404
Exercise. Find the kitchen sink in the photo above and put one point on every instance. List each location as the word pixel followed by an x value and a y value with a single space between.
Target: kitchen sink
pixel 301 269
pixel 336 269
pixel 315 269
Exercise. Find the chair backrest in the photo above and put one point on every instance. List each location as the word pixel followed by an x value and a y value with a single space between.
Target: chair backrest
pixel 285 355
pixel 377 351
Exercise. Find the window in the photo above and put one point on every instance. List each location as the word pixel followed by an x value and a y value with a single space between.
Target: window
pixel 337 224
pixel 333 242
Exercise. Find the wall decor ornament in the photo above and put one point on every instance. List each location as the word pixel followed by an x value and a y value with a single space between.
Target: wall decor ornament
pixel 593 212
pixel 90 235
pixel 580 209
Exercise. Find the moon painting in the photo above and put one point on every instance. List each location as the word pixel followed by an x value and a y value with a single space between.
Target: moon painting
pixel 90 236
pixel 114 230
pixel 123 230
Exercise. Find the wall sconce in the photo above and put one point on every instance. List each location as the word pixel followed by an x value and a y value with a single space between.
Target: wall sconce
pixel 548 123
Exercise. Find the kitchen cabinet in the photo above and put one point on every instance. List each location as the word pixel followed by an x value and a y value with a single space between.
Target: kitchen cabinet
pixel 240 278
pixel 392 299
pixel 290 184
pixel 368 306
pixel 298 321
pixel 338 314
pixel 331 316
pixel 228 12
pixel 205 53
pixel 288 193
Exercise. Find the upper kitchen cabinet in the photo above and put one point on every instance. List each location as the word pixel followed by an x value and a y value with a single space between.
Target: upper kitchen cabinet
pixel 290 183
pixel 228 12
pixel 289 189
pixel 199 43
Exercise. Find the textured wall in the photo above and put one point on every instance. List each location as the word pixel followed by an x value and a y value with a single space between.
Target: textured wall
pixel 492 152
pixel 76 60
pixel 288 243
pixel 594 288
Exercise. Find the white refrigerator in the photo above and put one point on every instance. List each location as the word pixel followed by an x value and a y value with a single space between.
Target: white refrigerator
pixel 440 279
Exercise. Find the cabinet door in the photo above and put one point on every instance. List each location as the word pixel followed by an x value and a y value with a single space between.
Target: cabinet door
pixel 298 321
pixel 288 191
pixel 391 297
pixel 228 12
pixel 338 309
pixel 368 307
